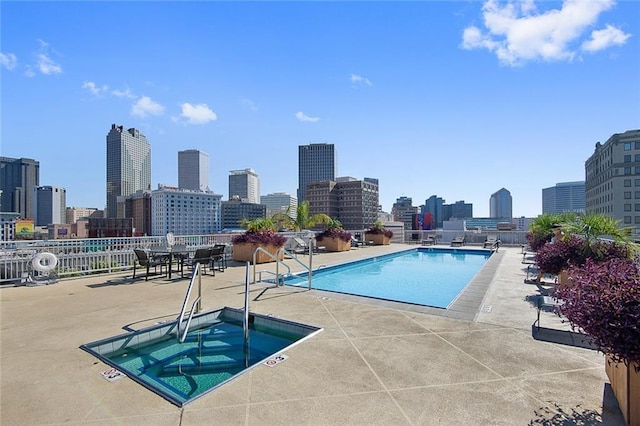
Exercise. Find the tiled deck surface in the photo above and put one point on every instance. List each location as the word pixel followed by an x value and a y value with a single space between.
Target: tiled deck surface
pixel 375 362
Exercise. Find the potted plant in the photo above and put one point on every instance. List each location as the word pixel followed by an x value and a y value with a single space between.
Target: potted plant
pixel 541 229
pixel 334 238
pixel 378 234
pixel 602 300
pixel 261 232
pixel 303 220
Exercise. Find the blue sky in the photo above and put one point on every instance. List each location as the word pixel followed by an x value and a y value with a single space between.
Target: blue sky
pixel 456 99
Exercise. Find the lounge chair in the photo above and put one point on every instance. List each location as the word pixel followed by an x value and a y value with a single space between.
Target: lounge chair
pixel 490 242
pixel 356 243
pixel 429 241
pixel 296 245
pixel 458 241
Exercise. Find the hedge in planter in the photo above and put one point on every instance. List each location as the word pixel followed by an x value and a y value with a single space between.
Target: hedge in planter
pixel 378 234
pixel 245 244
pixel 334 238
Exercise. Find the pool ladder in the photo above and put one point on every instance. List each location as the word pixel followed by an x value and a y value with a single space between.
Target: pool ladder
pixel 278 275
pixel 195 307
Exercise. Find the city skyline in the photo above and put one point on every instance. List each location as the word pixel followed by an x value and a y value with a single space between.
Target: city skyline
pixel 431 98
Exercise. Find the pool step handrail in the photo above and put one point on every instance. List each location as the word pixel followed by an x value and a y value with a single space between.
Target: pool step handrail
pixel 308 268
pixel 194 308
pixel 276 258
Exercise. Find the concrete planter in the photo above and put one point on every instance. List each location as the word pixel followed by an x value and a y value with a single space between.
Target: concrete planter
pixel 334 244
pixel 243 252
pixel 378 239
pixel 625 382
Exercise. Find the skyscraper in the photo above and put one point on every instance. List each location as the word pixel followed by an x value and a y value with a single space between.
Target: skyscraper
pixel 316 163
pixel 245 185
pixel 50 203
pixel 500 205
pixel 193 170
pixel 18 177
pixel 564 197
pixel 128 165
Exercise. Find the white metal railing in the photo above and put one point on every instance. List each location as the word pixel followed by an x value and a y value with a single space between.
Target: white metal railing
pixel 308 268
pixel 195 307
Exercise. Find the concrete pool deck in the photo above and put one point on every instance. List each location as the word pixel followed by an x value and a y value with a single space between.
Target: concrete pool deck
pixel 375 362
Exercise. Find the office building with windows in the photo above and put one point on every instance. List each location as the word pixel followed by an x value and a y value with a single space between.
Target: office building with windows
pixel 404 211
pixel 128 165
pixel 353 202
pixel 18 177
pixel 235 211
pixel 565 197
pixel 245 185
pixel 184 212
pixel 193 170
pixel 50 204
pixel 316 163
pixel 612 179
pixel 501 205
pixel 280 202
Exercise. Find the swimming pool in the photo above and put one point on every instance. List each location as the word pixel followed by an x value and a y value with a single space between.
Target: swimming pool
pixel 214 352
pixel 424 276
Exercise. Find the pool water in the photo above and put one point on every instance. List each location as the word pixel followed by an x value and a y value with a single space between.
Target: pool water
pixel 429 276
pixel 214 352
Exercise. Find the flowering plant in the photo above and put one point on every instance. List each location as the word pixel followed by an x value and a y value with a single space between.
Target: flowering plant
pixel 334 230
pixel 260 231
pixel 603 300
pixel 378 229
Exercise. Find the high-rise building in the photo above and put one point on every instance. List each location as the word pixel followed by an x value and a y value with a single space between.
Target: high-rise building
pixel 500 205
pixel 353 202
pixel 612 179
pixel 458 210
pixel 280 202
pixel 73 214
pixel 433 205
pixel 565 197
pixel 18 177
pixel 50 203
pixel 193 170
pixel 128 165
pixel 234 211
pixel 316 163
pixel 184 212
pixel 404 211
pixel 245 185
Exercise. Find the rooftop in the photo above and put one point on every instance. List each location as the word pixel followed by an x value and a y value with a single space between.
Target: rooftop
pixel 374 363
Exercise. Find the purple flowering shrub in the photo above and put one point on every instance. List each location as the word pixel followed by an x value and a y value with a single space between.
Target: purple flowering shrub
pixel 554 257
pixel 267 237
pixel 603 301
pixel 536 241
pixel 334 233
pixel 377 230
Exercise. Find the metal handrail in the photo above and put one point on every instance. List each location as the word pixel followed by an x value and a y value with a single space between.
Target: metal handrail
pixel 276 258
pixel 308 268
pixel 196 305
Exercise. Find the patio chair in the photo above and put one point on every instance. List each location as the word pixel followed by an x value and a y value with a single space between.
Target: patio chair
pixel 218 256
pixel 143 259
pixel 356 243
pixel 201 256
pixel 458 241
pixel 429 241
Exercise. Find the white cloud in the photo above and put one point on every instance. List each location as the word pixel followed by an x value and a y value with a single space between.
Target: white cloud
pixel 359 80
pixel 9 61
pixel 197 114
pixel 126 93
pixel 94 88
pixel 602 39
pixel 302 117
pixel 517 33
pixel 145 106
pixel 29 72
pixel 249 104
pixel 46 65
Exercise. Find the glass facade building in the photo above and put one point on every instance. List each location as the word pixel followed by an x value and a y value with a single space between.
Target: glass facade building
pixel 501 205
pixel 50 205
pixel 18 178
pixel 128 165
pixel 564 197
pixel 316 163
pixel 244 184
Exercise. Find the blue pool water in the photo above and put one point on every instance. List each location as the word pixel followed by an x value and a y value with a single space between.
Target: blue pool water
pixel 430 277
pixel 213 353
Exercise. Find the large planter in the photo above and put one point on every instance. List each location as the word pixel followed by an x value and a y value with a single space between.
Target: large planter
pixel 243 252
pixel 625 383
pixel 334 244
pixel 378 239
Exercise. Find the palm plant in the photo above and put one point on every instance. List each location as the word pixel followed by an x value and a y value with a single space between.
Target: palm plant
pixel 541 228
pixel 303 218
pixel 591 226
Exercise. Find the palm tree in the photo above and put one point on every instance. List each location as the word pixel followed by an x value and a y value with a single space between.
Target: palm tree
pixel 303 220
pixel 591 226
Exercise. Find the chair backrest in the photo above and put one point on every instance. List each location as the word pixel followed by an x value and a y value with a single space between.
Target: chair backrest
pixel 217 250
pixel 143 259
pixel 202 254
pixel 300 242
